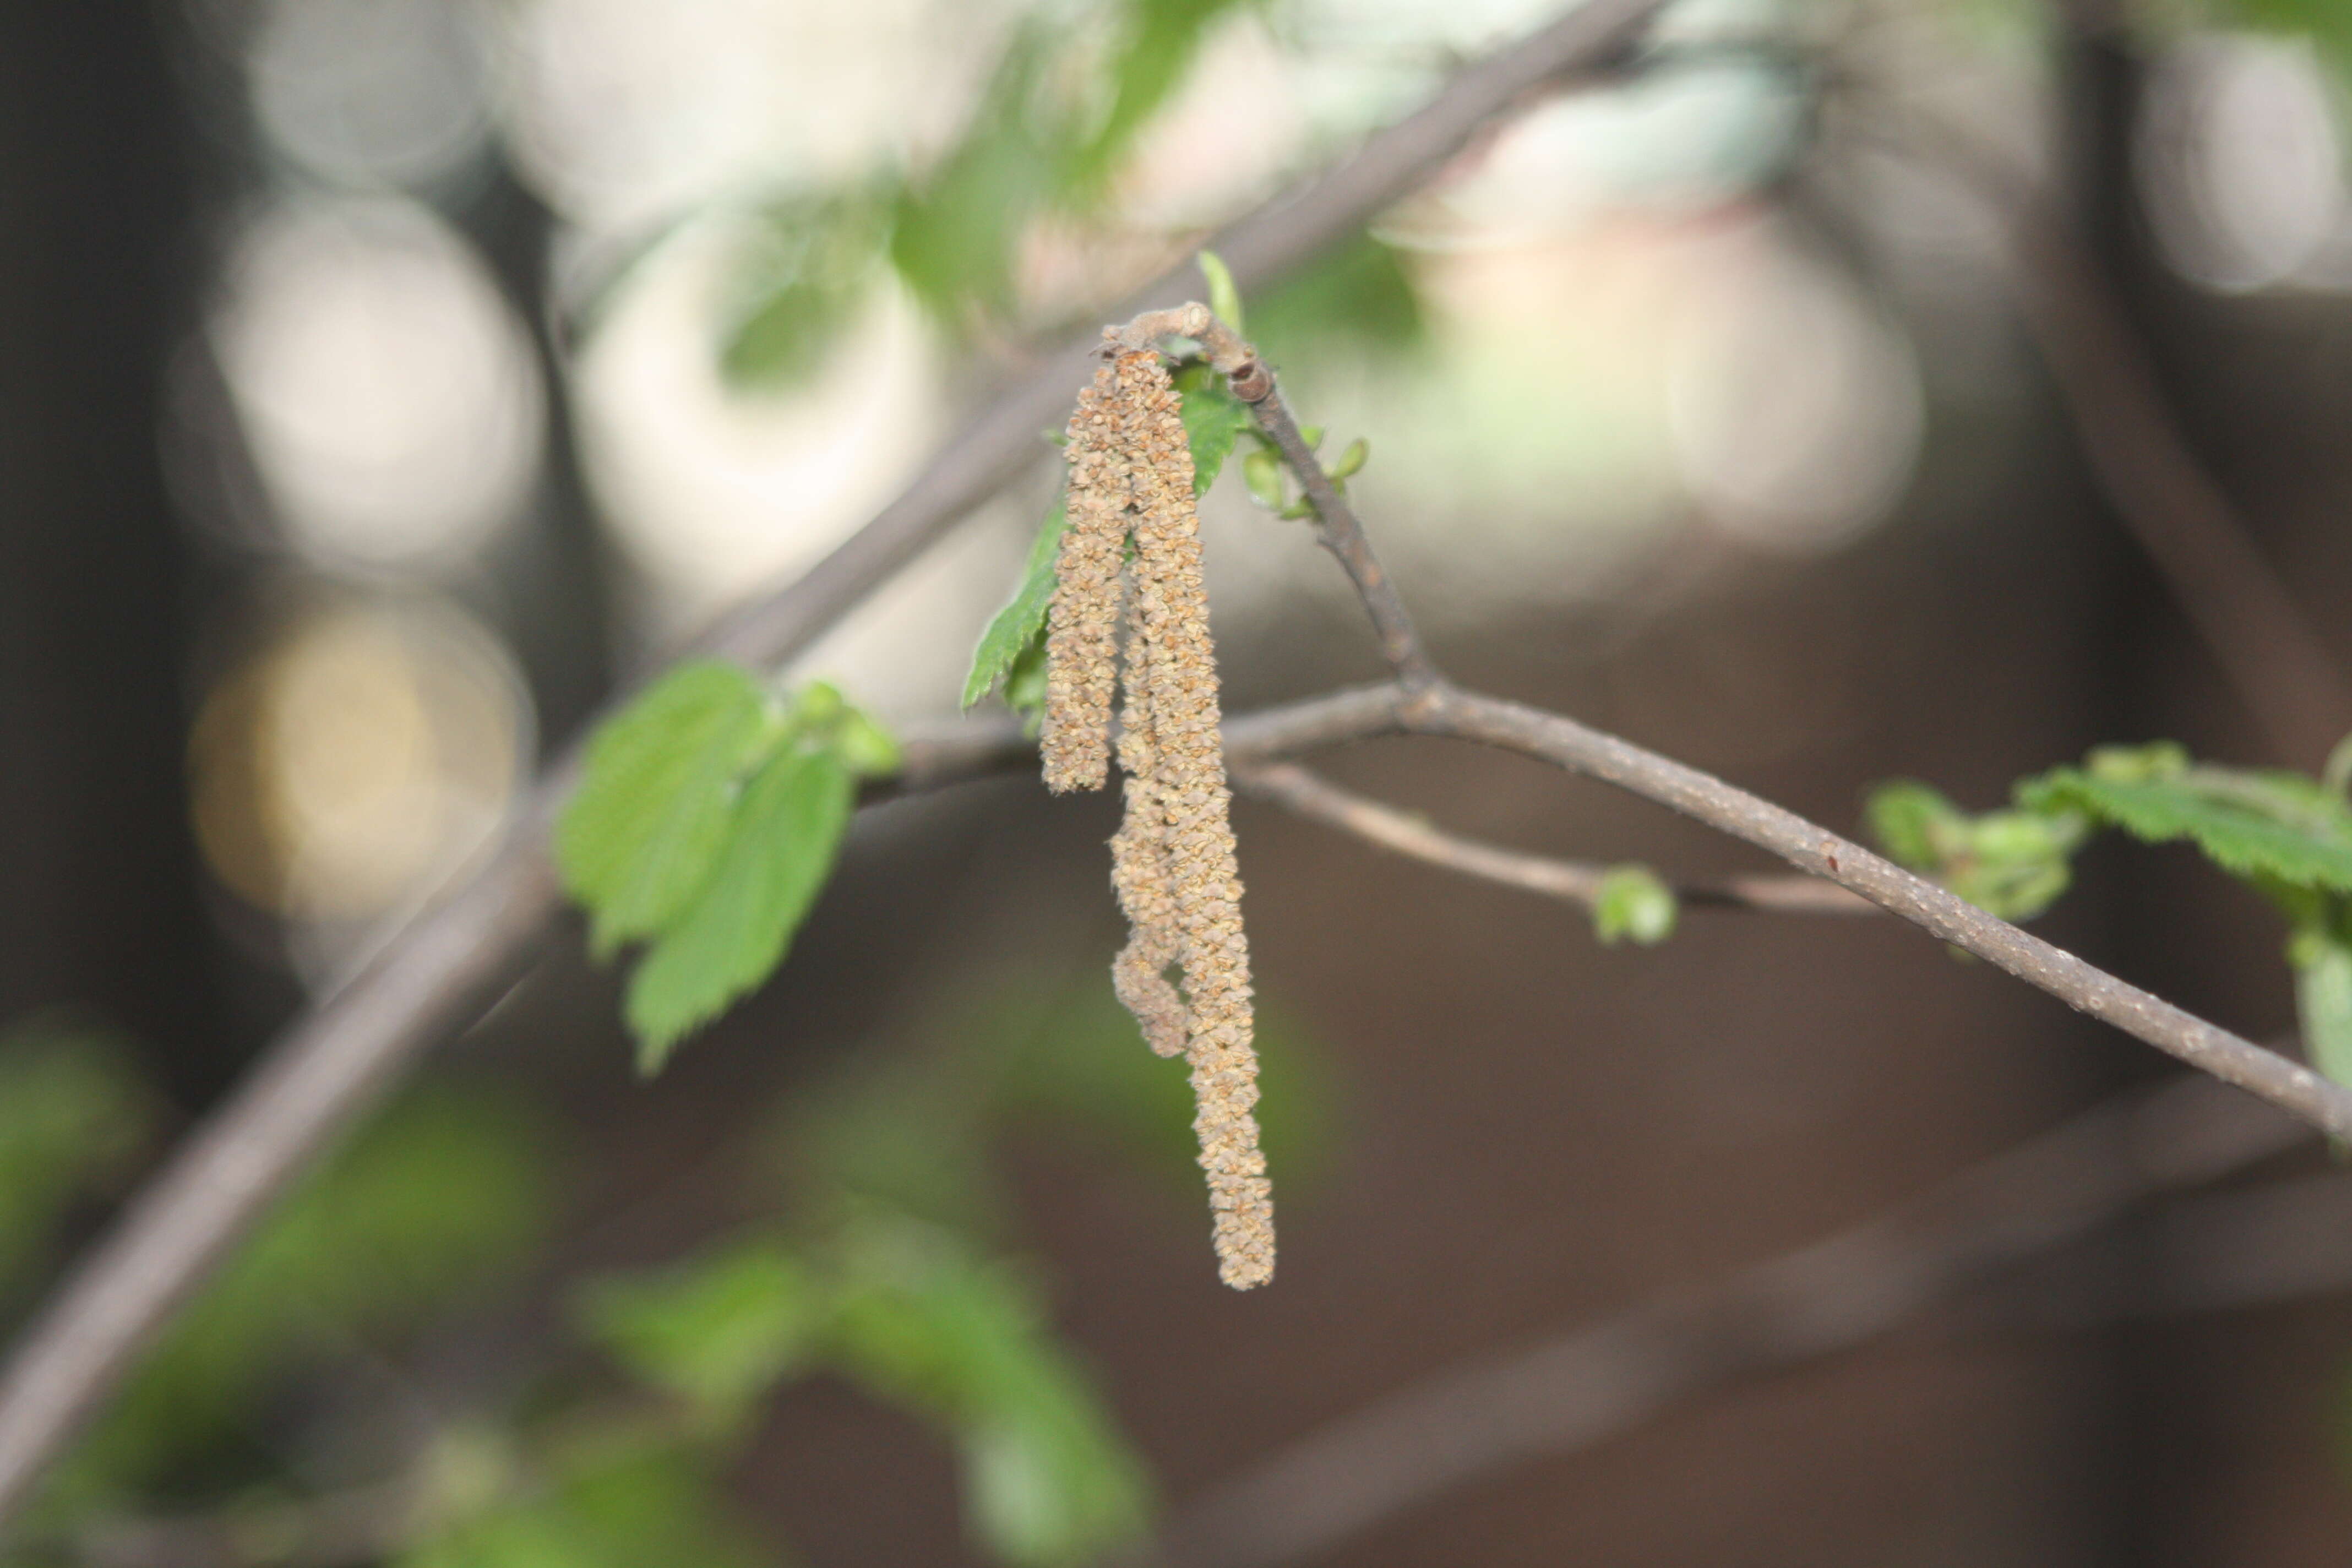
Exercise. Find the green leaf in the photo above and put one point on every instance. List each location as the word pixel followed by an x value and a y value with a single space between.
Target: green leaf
pixel 1633 902
pixel 1261 470
pixel 1022 622
pixel 2013 864
pixel 954 233
pixel 865 748
pixel 719 1330
pixel 2323 1000
pixel 2279 826
pixel 1915 824
pixel 1224 297
pixel 1024 687
pixel 2335 777
pixel 776 859
pixel 1352 461
pixel 800 275
pixel 1049 1479
pixel 1213 420
pixel 75 1113
pixel 642 833
pixel 1163 37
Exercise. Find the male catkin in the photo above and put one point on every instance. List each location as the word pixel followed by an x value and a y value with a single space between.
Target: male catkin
pixel 1082 621
pixel 1173 859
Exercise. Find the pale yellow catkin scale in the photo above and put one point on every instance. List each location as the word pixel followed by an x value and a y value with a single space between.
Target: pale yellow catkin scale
pixel 1179 681
pixel 1081 639
pixel 1139 871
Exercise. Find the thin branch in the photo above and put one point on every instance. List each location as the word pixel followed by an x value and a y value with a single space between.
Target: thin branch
pixel 1577 883
pixel 1344 537
pixel 336 1060
pixel 1400 1451
pixel 1436 707
pixel 1448 710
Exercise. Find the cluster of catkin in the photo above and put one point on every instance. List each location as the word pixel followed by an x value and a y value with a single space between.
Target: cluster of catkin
pixel 1172 859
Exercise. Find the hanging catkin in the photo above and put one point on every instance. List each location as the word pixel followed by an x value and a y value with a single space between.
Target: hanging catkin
pixel 1139 869
pixel 1082 621
pixel 1172 859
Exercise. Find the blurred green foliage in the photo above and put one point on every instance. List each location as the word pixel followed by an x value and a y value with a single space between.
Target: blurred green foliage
pixel 888 1257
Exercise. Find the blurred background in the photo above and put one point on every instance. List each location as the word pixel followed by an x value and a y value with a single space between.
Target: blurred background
pixel 385 382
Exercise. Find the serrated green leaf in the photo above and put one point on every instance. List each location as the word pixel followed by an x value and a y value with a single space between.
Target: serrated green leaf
pixel 642 833
pixel 2323 1000
pixel 1633 902
pixel 775 859
pixel 1224 297
pixel 719 1329
pixel 2268 825
pixel 1022 622
pixel 1213 420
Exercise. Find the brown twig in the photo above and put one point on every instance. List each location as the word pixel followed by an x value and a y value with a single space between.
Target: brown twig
pixel 1577 883
pixel 1424 1440
pixel 333 1062
pixel 1434 706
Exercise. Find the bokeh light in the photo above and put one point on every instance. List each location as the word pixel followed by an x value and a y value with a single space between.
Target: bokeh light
pixel 1795 405
pixel 372 92
pixel 2238 161
pixel 359 755
pixel 710 492
pixel 387 391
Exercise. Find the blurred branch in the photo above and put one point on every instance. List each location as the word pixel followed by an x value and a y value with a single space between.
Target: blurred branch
pixel 452 961
pixel 1576 1390
pixel 1576 882
pixel 2148 469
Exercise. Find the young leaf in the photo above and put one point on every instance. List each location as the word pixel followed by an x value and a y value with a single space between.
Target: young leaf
pixel 1263 471
pixel 1352 461
pixel 1019 622
pixel 2268 825
pixel 1915 824
pixel 1224 299
pixel 865 748
pixel 2322 999
pixel 1213 420
pixel 642 833
pixel 736 931
pixel 1633 902
pixel 2012 864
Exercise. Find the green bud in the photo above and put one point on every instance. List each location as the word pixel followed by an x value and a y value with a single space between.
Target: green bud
pixel 1633 902
pixel 865 748
pixel 1352 461
pixel 1224 299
